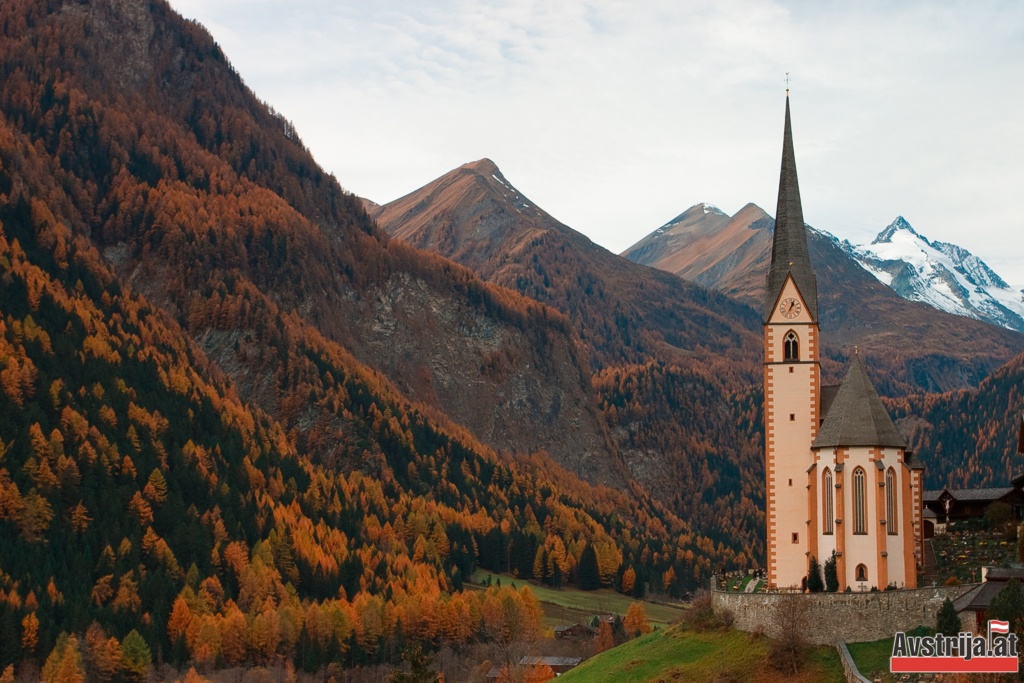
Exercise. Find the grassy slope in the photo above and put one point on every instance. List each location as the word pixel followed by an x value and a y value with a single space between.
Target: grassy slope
pixel 683 655
pixel 569 605
pixel 872 657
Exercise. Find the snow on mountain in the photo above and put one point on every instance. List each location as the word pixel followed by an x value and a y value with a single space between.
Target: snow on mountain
pixel 943 275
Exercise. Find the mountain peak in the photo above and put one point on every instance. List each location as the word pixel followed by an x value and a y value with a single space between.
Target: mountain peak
pixel 752 214
pixel 900 224
pixel 485 166
pixel 943 275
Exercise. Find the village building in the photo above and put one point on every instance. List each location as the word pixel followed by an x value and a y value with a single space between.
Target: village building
pixel 839 475
pixel 558 665
pixel 953 505
pixel 972 607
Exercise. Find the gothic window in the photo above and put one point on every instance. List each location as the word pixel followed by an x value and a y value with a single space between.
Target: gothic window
pixel 890 502
pixel 827 508
pixel 862 573
pixel 791 349
pixel 860 519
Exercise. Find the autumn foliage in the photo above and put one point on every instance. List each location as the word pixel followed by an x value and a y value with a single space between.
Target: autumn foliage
pixel 194 462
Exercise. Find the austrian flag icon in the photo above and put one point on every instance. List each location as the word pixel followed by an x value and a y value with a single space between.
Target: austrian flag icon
pixel 995 626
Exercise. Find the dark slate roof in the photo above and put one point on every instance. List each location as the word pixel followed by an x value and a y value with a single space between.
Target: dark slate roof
pixel 828 394
pixel 963 495
pixel 857 416
pixel 979 597
pixel 932 495
pixel 789 246
pixel 1004 574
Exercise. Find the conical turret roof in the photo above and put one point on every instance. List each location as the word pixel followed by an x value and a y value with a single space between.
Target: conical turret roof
pixel 857 416
pixel 789 246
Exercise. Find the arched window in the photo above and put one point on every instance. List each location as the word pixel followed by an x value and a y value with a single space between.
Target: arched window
pixel 827 509
pixel 862 573
pixel 860 519
pixel 891 523
pixel 791 347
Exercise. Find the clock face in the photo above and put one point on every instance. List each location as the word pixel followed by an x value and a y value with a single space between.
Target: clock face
pixel 789 308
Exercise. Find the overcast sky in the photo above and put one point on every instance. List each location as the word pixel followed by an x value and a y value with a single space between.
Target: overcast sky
pixel 615 116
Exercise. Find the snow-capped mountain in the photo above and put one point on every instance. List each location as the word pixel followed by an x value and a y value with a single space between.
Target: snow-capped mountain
pixel 943 275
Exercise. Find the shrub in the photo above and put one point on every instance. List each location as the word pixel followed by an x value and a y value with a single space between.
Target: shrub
pixel 948 623
pixel 814 582
pixel 831 574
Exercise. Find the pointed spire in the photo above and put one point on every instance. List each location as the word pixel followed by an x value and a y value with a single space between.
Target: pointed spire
pixel 857 416
pixel 789 248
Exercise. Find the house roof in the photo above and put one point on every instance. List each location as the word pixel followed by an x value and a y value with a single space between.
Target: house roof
pixel 534 660
pixel 968 495
pixel 828 395
pixel 789 245
pixel 1004 574
pixel 979 597
pixel 856 416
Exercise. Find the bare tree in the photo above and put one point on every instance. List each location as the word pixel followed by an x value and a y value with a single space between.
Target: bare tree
pixel 790 622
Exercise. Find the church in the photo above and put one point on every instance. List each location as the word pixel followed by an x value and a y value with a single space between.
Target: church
pixel 839 475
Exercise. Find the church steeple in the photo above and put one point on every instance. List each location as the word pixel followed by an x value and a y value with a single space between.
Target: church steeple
pixel 789 248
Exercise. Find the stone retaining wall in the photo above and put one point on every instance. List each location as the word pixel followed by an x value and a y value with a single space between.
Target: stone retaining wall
pixel 853 675
pixel 853 617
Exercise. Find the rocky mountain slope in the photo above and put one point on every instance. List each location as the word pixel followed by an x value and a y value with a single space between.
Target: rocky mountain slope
pixel 675 362
pixel 942 275
pixel 475 216
pixel 911 346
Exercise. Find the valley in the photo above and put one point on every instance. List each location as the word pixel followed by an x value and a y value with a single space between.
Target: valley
pixel 249 420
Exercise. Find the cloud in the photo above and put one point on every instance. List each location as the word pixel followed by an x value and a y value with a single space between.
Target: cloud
pixel 616 116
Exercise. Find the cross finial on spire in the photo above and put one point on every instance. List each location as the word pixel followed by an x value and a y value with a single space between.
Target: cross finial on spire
pixel 787 84
pixel 856 350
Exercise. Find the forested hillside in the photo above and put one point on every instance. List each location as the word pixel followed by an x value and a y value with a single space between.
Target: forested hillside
pixel 968 438
pixel 675 363
pixel 228 412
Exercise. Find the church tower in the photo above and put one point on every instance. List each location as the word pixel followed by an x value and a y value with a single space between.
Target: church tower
pixel 840 482
pixel 792 384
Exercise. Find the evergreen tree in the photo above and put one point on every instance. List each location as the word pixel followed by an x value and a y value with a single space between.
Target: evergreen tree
pixel 831 574
pixel 814 582
pixel 588 573
pixel 135 656
pixel 948 623
pixel 419 667
pixel 10 636
pixel 1008 605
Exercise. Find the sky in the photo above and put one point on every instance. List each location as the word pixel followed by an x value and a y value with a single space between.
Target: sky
pixel 616 116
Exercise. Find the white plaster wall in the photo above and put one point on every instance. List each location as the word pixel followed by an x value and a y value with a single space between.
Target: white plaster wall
pixel 860 548
pixel 895 544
